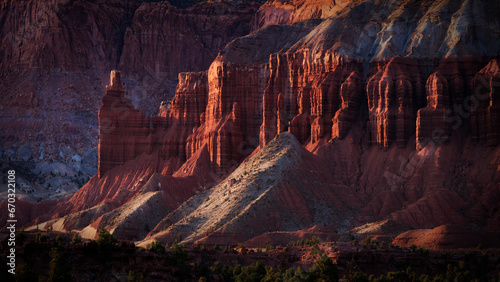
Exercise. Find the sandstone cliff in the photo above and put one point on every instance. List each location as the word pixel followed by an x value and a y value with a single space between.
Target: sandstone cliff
pixel 54 65
pixel 394 123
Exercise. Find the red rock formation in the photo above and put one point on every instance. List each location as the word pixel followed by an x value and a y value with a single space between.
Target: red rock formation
pixel 147 38
pixel 394 94
pixel 448 90
pixel 318 97
pixel 287 12
pixel 174 124
pixel 123 131
pixel 447 237
pixel 163 41
pixel 485 106
pixel 68 35
pixel 307 78
pixel 56 56
pixel 350 102
pixel 231 116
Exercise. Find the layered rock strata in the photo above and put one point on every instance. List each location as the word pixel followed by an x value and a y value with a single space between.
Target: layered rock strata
pixel 232 115
pixel 315 99
pixel 485 104
pixel 163 41
pixel 123 131
pixel 448 90
pixel 395 93
pixel 177 119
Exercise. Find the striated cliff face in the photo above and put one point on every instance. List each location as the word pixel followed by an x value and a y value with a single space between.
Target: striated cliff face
pixel 316 100
pixel 123 131
pixel 395 93
pixel 163 41
pixel 147 38
pixel 55 58
pixel 398 124
pixel 484 105
pixel 311 81
pixel 287 12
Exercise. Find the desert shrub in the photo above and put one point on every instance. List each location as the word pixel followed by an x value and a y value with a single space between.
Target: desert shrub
pixel 253 272
pixel 239 246
pixel 156 247
pixel 59 269
pixel 105 239
pixel 315 250
pixel 76 238
pixel 179 255
pixel 269 247
pixel 323 270
pixel 413 247
pixel 24 273
pixel 135 276
pixel 178 239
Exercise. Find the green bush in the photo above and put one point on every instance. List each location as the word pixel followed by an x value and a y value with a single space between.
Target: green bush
pixel 323 270
pixel 59 269
pixel 179 255
pixel 135 276
pixel 76 239
pixel 105 239
pixel 156 247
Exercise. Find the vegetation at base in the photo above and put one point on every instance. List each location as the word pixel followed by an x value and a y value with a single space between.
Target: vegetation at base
pixel 59 269
pixel 105 240
pixel 156 247
pixel 196 263
pixel 323 270
pixel 76 239
pixel 135 276
pixel 309 242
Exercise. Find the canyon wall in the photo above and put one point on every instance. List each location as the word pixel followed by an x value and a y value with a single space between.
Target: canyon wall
pixel 311 82
pixel 148 38
pixel 163 41
pixel 55 58
pixel 317 100
pixel 395 104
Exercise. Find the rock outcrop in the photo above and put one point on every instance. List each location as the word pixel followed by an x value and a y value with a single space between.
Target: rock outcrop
pixel 317 101
pixel 266 193
pixel 370 115
pixel 484 105
pixel 448 90
pixel 447 237
pixel 163 41
pixel 55 62
pixel 180 117
pixel 287 12
pixel 231 116
pixel 123 131
pixel 395 93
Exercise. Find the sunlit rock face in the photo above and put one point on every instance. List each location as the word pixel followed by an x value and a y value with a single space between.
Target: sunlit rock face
pixel 363 111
